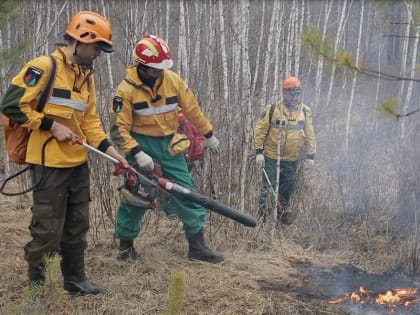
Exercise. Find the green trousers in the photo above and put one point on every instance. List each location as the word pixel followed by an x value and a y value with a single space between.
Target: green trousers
pixel 60 211
pixel 191 215
pixel 286 183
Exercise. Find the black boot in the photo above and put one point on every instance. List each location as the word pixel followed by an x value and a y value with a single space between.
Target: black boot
pixel 73 269
pixel 127 251
pixel 198 250
pixel 36 274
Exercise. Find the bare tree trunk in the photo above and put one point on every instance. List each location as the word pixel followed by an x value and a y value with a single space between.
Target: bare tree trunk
pixel 246 97
pixel 259 100
pixel 320 66
pixel 278 52
pixel 340 30
pixel 272 39
pixel 196 69
pixel 167 20
pixel 351 100
pixel 182 47
pixel 225 95
pixel 411 64
pixel 300 30
pixel 208 167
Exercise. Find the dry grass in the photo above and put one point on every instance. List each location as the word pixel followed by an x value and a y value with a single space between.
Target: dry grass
pixel 318 237
pixel 142 287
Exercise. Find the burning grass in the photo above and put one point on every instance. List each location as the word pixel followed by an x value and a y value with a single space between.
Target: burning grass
pixel 392 298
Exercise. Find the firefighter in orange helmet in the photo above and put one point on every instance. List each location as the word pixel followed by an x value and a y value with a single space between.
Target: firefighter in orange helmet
pixel 293 120
pixel 60 211
pixel 144 125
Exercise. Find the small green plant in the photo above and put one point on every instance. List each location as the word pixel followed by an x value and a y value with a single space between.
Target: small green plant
pixel 176 293
pixel 38 298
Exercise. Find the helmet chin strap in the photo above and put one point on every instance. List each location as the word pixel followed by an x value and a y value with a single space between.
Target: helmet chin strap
pixel 75 48
pixel 77 58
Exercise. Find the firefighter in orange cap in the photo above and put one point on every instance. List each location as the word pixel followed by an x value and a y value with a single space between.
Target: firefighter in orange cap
pixel 60 211
pixel 293 120
pixel 144 125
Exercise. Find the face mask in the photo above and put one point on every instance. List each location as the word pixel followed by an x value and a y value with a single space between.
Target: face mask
pixel 291 97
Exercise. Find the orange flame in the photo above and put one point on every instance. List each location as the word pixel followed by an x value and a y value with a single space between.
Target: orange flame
pixel 400 296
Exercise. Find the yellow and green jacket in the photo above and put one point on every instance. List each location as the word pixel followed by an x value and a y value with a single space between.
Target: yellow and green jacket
pixel 296 133
pixel 72 103
pixel 153 111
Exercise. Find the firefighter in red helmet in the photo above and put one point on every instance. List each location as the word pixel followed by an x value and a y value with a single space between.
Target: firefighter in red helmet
pixel 144 125
pixel 292 121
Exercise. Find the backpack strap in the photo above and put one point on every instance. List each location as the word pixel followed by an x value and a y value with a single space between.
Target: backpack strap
pixel 47 91
pixel 270 116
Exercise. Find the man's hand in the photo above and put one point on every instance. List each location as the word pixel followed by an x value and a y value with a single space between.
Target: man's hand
pixel 61 132
pixel 259 160
pixel 114 153
pixel 144 161
pixel 212 144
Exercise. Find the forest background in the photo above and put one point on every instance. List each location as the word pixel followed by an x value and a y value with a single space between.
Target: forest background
pixel 354 57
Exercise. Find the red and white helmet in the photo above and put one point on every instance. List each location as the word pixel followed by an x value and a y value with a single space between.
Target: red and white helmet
pixel 153 52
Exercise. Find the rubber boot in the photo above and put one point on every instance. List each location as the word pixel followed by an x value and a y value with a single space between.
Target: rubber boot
pixel 73 269
pixel 35 274
pixel 198 250
pixel 285 215
pixel 127 251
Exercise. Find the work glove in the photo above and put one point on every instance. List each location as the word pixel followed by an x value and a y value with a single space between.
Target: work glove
pixel 259 160
pixel 144 161
pixel 212 144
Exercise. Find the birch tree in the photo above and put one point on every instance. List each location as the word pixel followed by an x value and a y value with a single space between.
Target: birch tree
pixel 351 100
pixel 246 97
pixel 182 46
pixel 412 24
pixel 273 34
pixel 225 94
pixel 320 65
pixel 344 14
pixel 258 100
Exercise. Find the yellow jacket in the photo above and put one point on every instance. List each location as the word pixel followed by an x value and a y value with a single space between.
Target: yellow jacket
pixel 296 133
pixel 152 112
pixel 72 103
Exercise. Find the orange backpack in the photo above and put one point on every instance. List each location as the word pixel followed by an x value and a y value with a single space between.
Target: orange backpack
pixel 16 137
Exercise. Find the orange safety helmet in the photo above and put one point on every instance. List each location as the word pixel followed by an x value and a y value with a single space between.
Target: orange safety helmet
pixel 90 27
pixel 153 52
pixel 291 83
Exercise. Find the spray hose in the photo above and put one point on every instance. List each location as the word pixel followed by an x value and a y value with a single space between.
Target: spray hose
pixel 177 190
pixel 3 186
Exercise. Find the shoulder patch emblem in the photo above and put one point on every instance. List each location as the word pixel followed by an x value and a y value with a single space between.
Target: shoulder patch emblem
pixel 117 104
pixel 32 76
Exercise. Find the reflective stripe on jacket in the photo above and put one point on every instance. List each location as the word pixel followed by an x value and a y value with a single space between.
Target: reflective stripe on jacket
pixel 296 131
pixel 72 103
pixel 152 112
